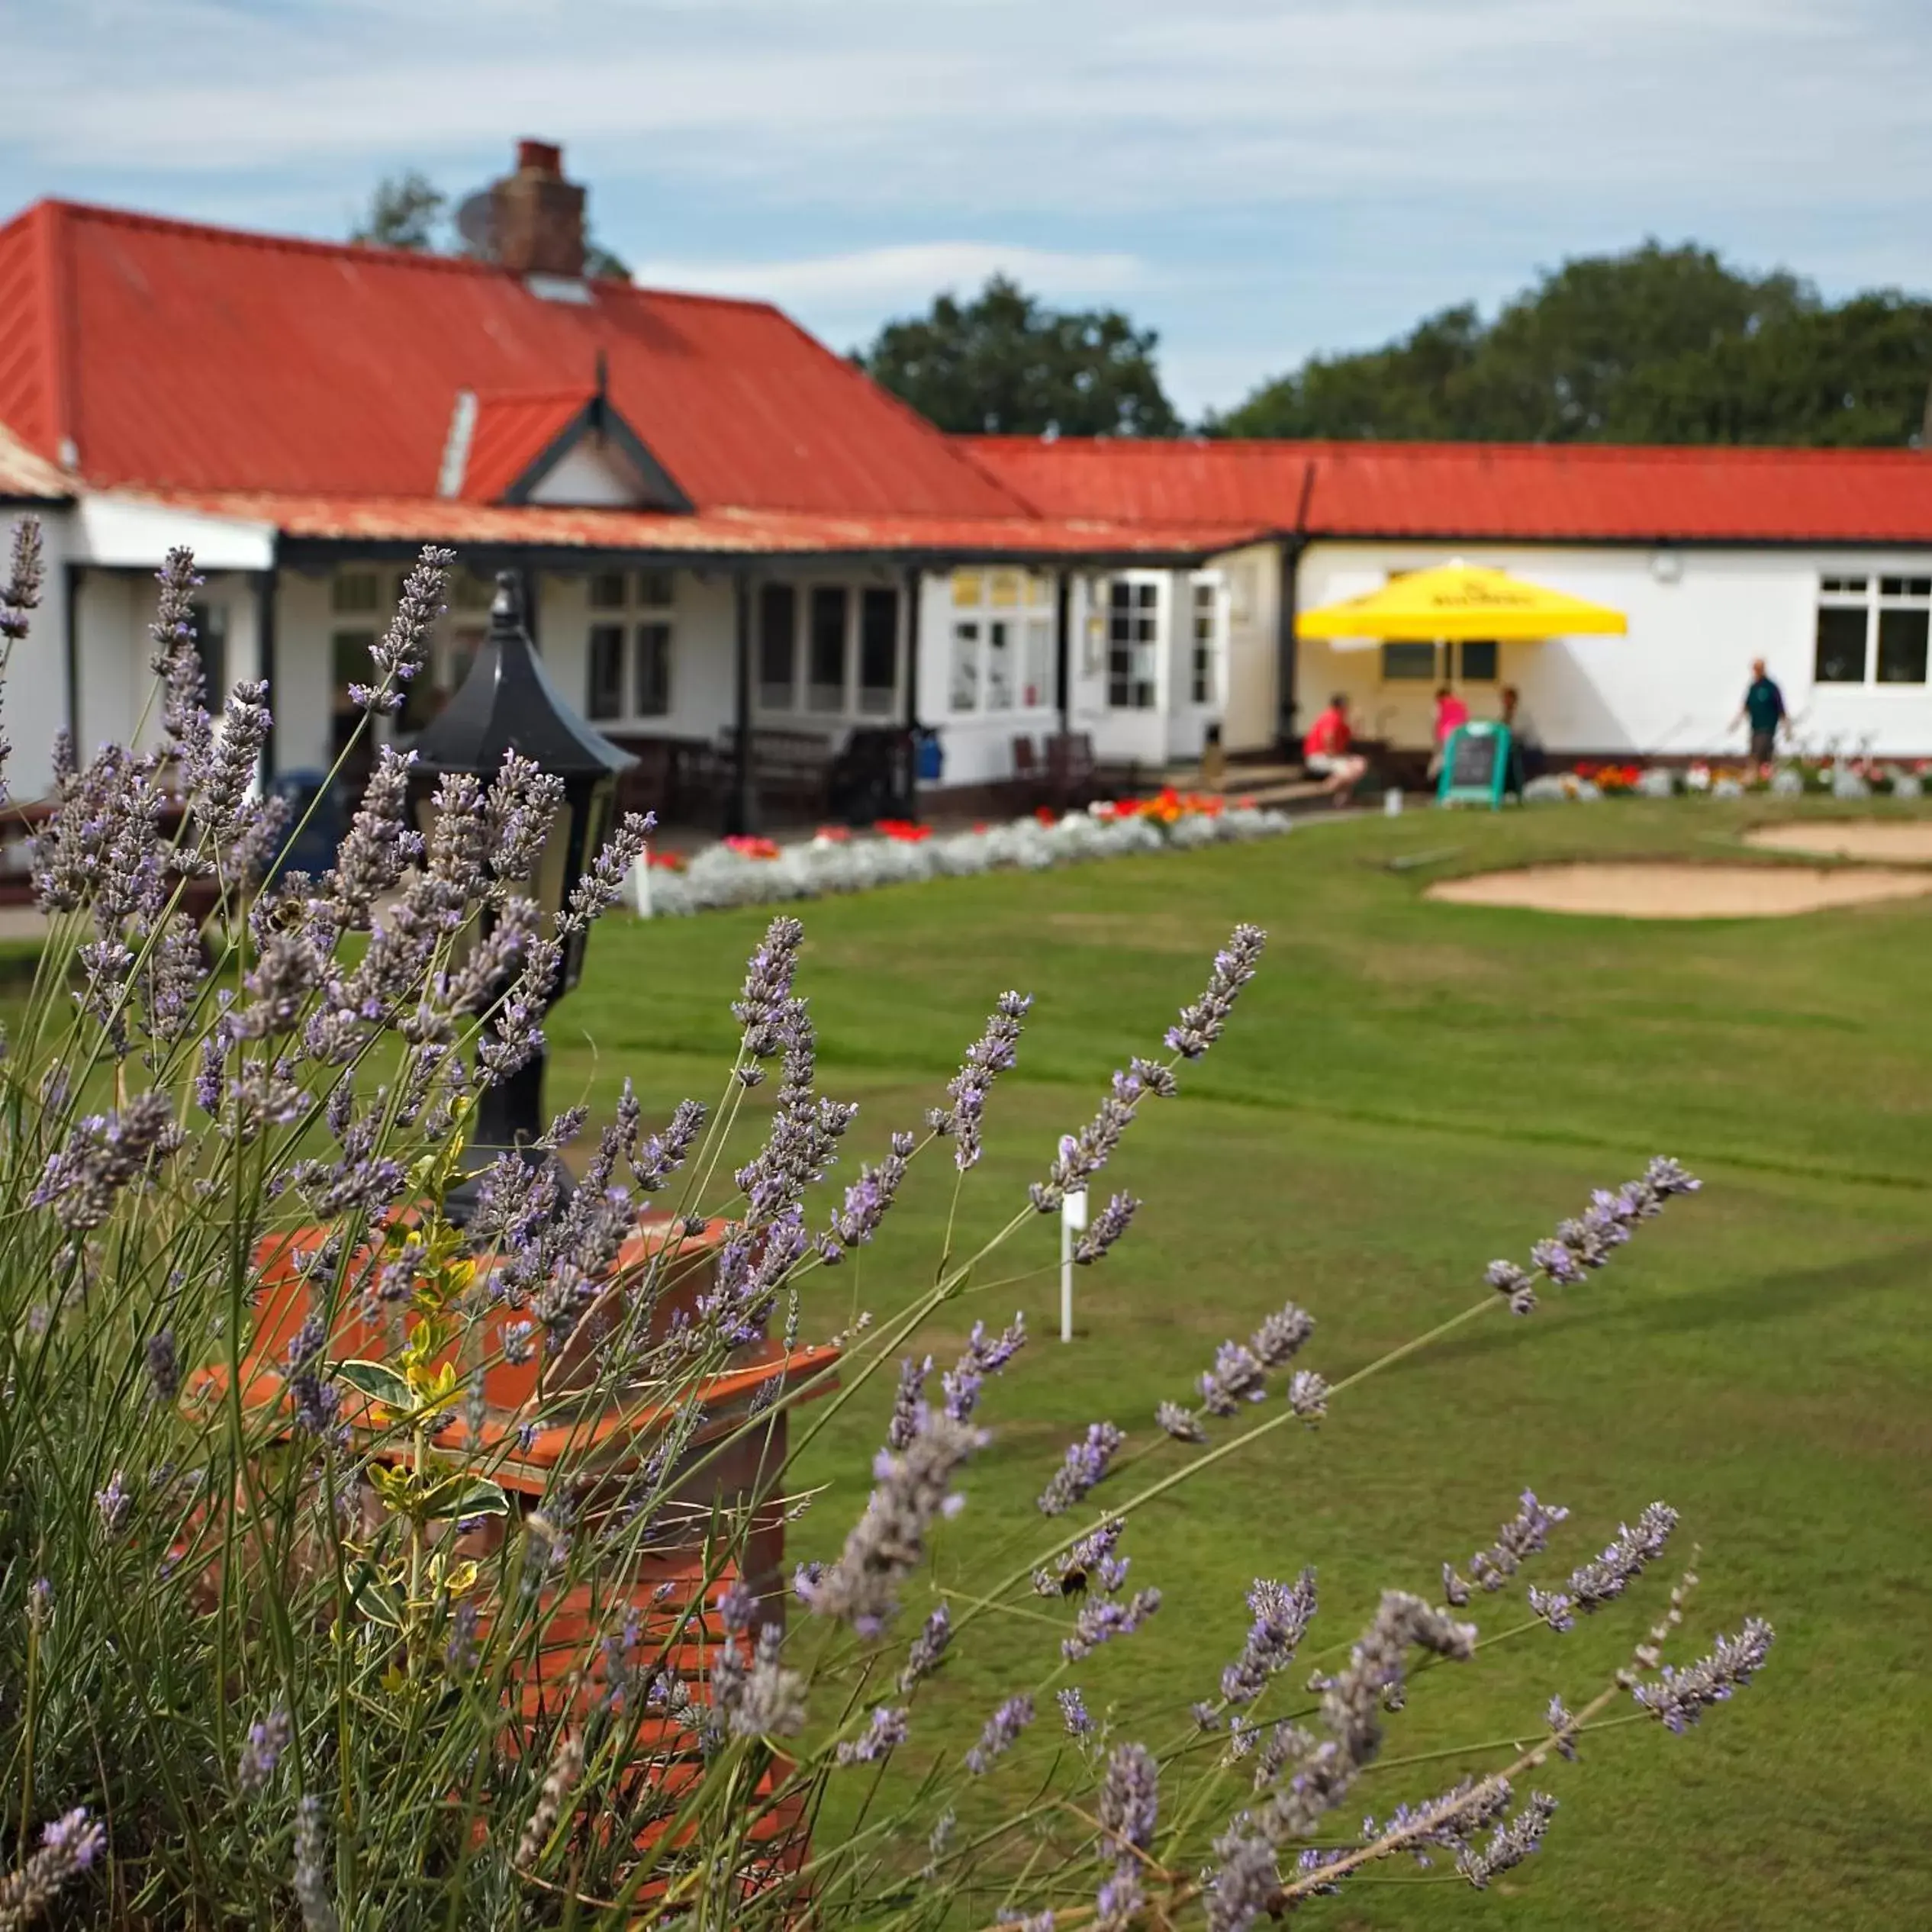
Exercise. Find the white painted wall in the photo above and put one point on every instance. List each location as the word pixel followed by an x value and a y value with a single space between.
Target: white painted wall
pixel 1253 576
pixel 1672 686
pixel 702 650
pixel 302 694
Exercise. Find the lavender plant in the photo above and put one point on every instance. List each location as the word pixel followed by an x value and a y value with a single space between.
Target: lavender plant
pixel 364 1569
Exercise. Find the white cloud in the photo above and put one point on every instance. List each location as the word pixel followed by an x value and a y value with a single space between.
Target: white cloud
pixel 867 278
pixel 1259 175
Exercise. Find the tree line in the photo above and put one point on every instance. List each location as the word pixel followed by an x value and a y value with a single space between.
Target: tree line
pixel 1657 344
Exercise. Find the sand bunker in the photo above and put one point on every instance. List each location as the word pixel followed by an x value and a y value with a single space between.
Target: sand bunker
pixel 1668 891
pixel 1904 841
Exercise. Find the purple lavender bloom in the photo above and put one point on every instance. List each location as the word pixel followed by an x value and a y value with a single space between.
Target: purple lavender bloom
pixel 1120 1898
pixel 403 647
pixel 1130 1800
pixel 1246 1884
pixel 20 596
pixel 113 1504
pixel 311 1881
pixel 1308 1395
pixel 989 1056
pixel 1090 1560
pixel 163 1365
pixel 1279 1338
pixel 663 1154
pixel 1606 1577
pixel 104 1154
pixel 1680 1696
pixel 1510 1843
pixel 998 1736
pixel 1281 1613
pixel 1105 1229
pixel 1181 1423
pixel 913 1489
pixel 883 1734
pixel 928 1648
pixel 737 1605
pixel 1073 1712
pixel 1201 1023
pixel 908 1403
pixel 267 1739
pixel 1525 1534
pixel 1085 1466
pixel 318 1402
pixel 68 1846
pixel 982 1357
pixel 1236 1377
pixel 761 1007
pixel 602 884
pixel 1101 1619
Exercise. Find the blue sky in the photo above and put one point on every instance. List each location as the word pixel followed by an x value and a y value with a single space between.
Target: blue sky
pixel 1255 180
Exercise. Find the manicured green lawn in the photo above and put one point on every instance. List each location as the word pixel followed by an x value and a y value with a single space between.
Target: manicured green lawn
pixel 1408 1090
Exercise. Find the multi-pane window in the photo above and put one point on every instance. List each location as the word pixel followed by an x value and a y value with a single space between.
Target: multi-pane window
pixel 1872 630
pixel 878 653
pixel 825 675
pixel 1203 655
pixel 1133 642
pixel 631 643
pixel 1473 662
pixel 778 645
pixel 1003 648
pixel 830 648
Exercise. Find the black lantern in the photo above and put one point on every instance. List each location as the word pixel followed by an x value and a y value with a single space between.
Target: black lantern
pixel 507 703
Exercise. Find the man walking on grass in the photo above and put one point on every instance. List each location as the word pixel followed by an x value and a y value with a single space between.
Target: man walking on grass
pixel 1764 707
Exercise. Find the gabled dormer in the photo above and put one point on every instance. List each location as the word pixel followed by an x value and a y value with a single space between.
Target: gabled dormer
pixel 566 449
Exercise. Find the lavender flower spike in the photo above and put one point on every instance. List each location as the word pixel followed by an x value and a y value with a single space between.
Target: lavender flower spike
pixel 1680 1696
pixel 998 1736
pixel 1085 1466
pixel 1607 1576
pixel 1281 1613
pixel 913 1489
pixel 68 1846
pixel 1525 1533
pixel 1200 1025
pixel 989 1056
pixel 1105 1229
pixel 399 654
pixel 983 1356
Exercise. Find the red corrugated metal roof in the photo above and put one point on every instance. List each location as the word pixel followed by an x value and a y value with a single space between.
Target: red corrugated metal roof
pixel 1537 492
pixel 510 433
pixel 725 532
pixel 23 474
pixel 199 358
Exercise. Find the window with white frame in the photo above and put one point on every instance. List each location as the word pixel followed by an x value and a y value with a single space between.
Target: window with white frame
pixel 1003 650
pixel 829 650
pixel 1473 662
pixel 631 640
pixel 1872 630
pixel 1205 650
pixel 1133 643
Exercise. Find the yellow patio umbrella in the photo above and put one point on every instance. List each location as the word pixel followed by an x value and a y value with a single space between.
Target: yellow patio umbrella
pixel 1458 601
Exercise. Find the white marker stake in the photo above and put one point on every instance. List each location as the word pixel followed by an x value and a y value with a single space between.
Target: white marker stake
pixel 1072 1221
pixel 640 883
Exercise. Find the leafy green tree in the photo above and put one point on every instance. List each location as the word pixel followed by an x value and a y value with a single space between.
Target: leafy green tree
pixel 1004 361
pixel 1658 345
pixel 406 211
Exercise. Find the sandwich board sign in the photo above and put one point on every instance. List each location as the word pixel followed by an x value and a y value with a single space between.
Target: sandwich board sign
pixel 1475 765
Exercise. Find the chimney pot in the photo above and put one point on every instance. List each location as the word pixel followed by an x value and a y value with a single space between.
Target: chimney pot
pixel 538 216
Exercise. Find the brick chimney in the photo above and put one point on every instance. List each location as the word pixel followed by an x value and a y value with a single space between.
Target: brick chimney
pixel 538 217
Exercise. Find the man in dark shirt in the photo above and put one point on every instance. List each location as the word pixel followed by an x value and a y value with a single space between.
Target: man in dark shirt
pixel 1764 707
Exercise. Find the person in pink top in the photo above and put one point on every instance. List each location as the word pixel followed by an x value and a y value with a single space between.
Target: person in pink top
pixel 1450 711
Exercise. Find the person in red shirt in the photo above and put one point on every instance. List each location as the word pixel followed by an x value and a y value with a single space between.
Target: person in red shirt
pixel 1450 713
pixel 1327 751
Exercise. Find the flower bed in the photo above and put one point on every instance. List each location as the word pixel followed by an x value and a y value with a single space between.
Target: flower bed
pixel 757 871
pixel 1825 776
